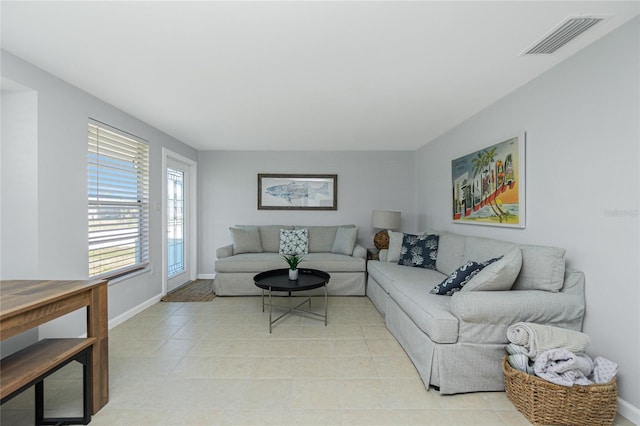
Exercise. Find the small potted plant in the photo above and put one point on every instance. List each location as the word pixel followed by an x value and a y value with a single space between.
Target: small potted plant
pixel 293 260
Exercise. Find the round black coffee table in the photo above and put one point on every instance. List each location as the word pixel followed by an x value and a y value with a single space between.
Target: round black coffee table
pixel 278 280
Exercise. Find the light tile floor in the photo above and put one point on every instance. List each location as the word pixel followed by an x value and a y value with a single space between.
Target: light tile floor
pixel 215 363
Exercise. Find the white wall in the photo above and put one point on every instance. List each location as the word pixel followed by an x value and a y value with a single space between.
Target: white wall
pixel 19 189
pixel 228 186
pixel 60 218
pixel 19 159
pixel 582 124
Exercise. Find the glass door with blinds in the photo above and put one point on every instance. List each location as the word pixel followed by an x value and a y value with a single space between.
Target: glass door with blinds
pixel 178 214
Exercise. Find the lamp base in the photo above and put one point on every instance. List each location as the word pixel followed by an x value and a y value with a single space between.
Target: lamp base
pixel 381 240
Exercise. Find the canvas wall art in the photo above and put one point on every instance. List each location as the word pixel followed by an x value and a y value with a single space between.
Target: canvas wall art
pixel 297 192
pixel 488 186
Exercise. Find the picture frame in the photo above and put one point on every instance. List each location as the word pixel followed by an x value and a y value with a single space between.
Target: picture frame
pixel 488 185
pixel 297 191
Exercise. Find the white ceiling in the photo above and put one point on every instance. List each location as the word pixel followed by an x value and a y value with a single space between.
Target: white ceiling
pixel 297 75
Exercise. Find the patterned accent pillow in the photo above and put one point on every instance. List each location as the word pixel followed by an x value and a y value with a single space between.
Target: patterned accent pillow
pixel 458 279
pixel 294 241
pixel 461 277
pixel 420 251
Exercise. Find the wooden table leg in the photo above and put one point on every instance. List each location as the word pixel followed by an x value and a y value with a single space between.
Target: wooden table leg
pixel 97 326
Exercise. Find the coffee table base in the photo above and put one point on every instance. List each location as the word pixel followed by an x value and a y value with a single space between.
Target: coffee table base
pixel 295 309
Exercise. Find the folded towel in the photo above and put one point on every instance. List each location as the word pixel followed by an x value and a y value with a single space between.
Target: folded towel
pixel 538 338
pixel 563 367
pixel 513 349
pixel 603 370
pixel 521 362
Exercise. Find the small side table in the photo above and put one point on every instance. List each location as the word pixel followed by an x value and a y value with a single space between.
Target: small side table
pixel 372 253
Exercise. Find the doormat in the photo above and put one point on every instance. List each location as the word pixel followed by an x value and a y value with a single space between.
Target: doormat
pixel 195 291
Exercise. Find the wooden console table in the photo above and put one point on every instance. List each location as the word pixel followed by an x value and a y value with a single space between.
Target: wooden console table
pixel 25 304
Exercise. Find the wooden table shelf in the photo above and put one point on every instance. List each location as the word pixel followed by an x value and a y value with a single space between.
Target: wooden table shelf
pixel 25 304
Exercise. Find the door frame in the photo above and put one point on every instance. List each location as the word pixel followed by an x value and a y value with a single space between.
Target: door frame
pixel 193 217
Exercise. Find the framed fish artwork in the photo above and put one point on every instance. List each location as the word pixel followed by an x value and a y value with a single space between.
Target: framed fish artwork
pixel 297 192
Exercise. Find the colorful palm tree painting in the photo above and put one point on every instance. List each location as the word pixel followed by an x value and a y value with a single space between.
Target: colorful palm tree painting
pixel 488 185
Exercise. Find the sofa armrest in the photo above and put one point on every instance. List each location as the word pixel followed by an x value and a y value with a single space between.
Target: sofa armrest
pixel 359 252
pixel 509 307
pixel 226 251
pixel 382 255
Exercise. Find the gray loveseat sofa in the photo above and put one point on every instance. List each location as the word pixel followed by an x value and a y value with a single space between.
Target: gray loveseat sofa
pixel 238 263
pixel 456 342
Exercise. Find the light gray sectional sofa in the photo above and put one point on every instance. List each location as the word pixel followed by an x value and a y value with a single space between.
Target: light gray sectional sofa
pixel 238 263
pixel 456 342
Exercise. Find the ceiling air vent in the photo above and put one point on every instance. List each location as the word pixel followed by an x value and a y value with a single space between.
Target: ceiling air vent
pixel 562 34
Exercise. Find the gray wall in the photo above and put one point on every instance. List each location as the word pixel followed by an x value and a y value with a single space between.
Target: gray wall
pixel 581 120
pixel 18 170
pixel 55 214
pixel 227 182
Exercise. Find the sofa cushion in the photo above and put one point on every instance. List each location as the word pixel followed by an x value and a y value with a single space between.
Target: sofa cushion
pixel 270 237
pixel 386 273
pixel 419 250
pixel 294 241
pixel 430 231
pixel 430 312
pixel 333 262
pixel 395 246
pixel 482 249
pixel 542 268
pixel 457 279
pixel 499 275
pixel 321 238
pixel 450 252
pixel 345 241
pixel 246 240
pixel 260 262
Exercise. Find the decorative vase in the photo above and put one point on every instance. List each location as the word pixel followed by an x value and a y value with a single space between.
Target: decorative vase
pixel 293 274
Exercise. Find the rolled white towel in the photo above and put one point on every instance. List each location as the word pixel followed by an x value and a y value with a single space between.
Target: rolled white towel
pixel 538 338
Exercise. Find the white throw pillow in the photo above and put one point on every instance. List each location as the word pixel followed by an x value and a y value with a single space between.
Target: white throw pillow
pixel 294 241
pixel 345 241
pixel 542 268
pixel 500 275
pixel 246 240
pixel 395 246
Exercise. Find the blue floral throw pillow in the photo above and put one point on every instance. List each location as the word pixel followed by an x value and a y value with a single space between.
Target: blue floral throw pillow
pixel 419 251
pixel 458 278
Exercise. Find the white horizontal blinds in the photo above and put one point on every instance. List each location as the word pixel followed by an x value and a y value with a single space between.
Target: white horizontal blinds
pixel 118 195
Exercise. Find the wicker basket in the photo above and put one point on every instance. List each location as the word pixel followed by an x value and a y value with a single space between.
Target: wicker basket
pixel 545 403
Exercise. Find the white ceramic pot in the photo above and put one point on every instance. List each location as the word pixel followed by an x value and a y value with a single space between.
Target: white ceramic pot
pixel 293 274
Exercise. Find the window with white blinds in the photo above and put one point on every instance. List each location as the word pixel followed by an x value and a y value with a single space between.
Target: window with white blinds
pixel 118 196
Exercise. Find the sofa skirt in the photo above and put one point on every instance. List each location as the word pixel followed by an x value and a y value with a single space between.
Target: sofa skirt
pixel 378 296
pixel 241 284
pixel 453 367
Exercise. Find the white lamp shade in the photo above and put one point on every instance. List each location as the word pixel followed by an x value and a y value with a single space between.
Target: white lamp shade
pixel 383 219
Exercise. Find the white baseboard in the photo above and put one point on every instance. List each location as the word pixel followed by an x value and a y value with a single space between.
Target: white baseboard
pixel 630 412
pixel 133 311
pixel 206 276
